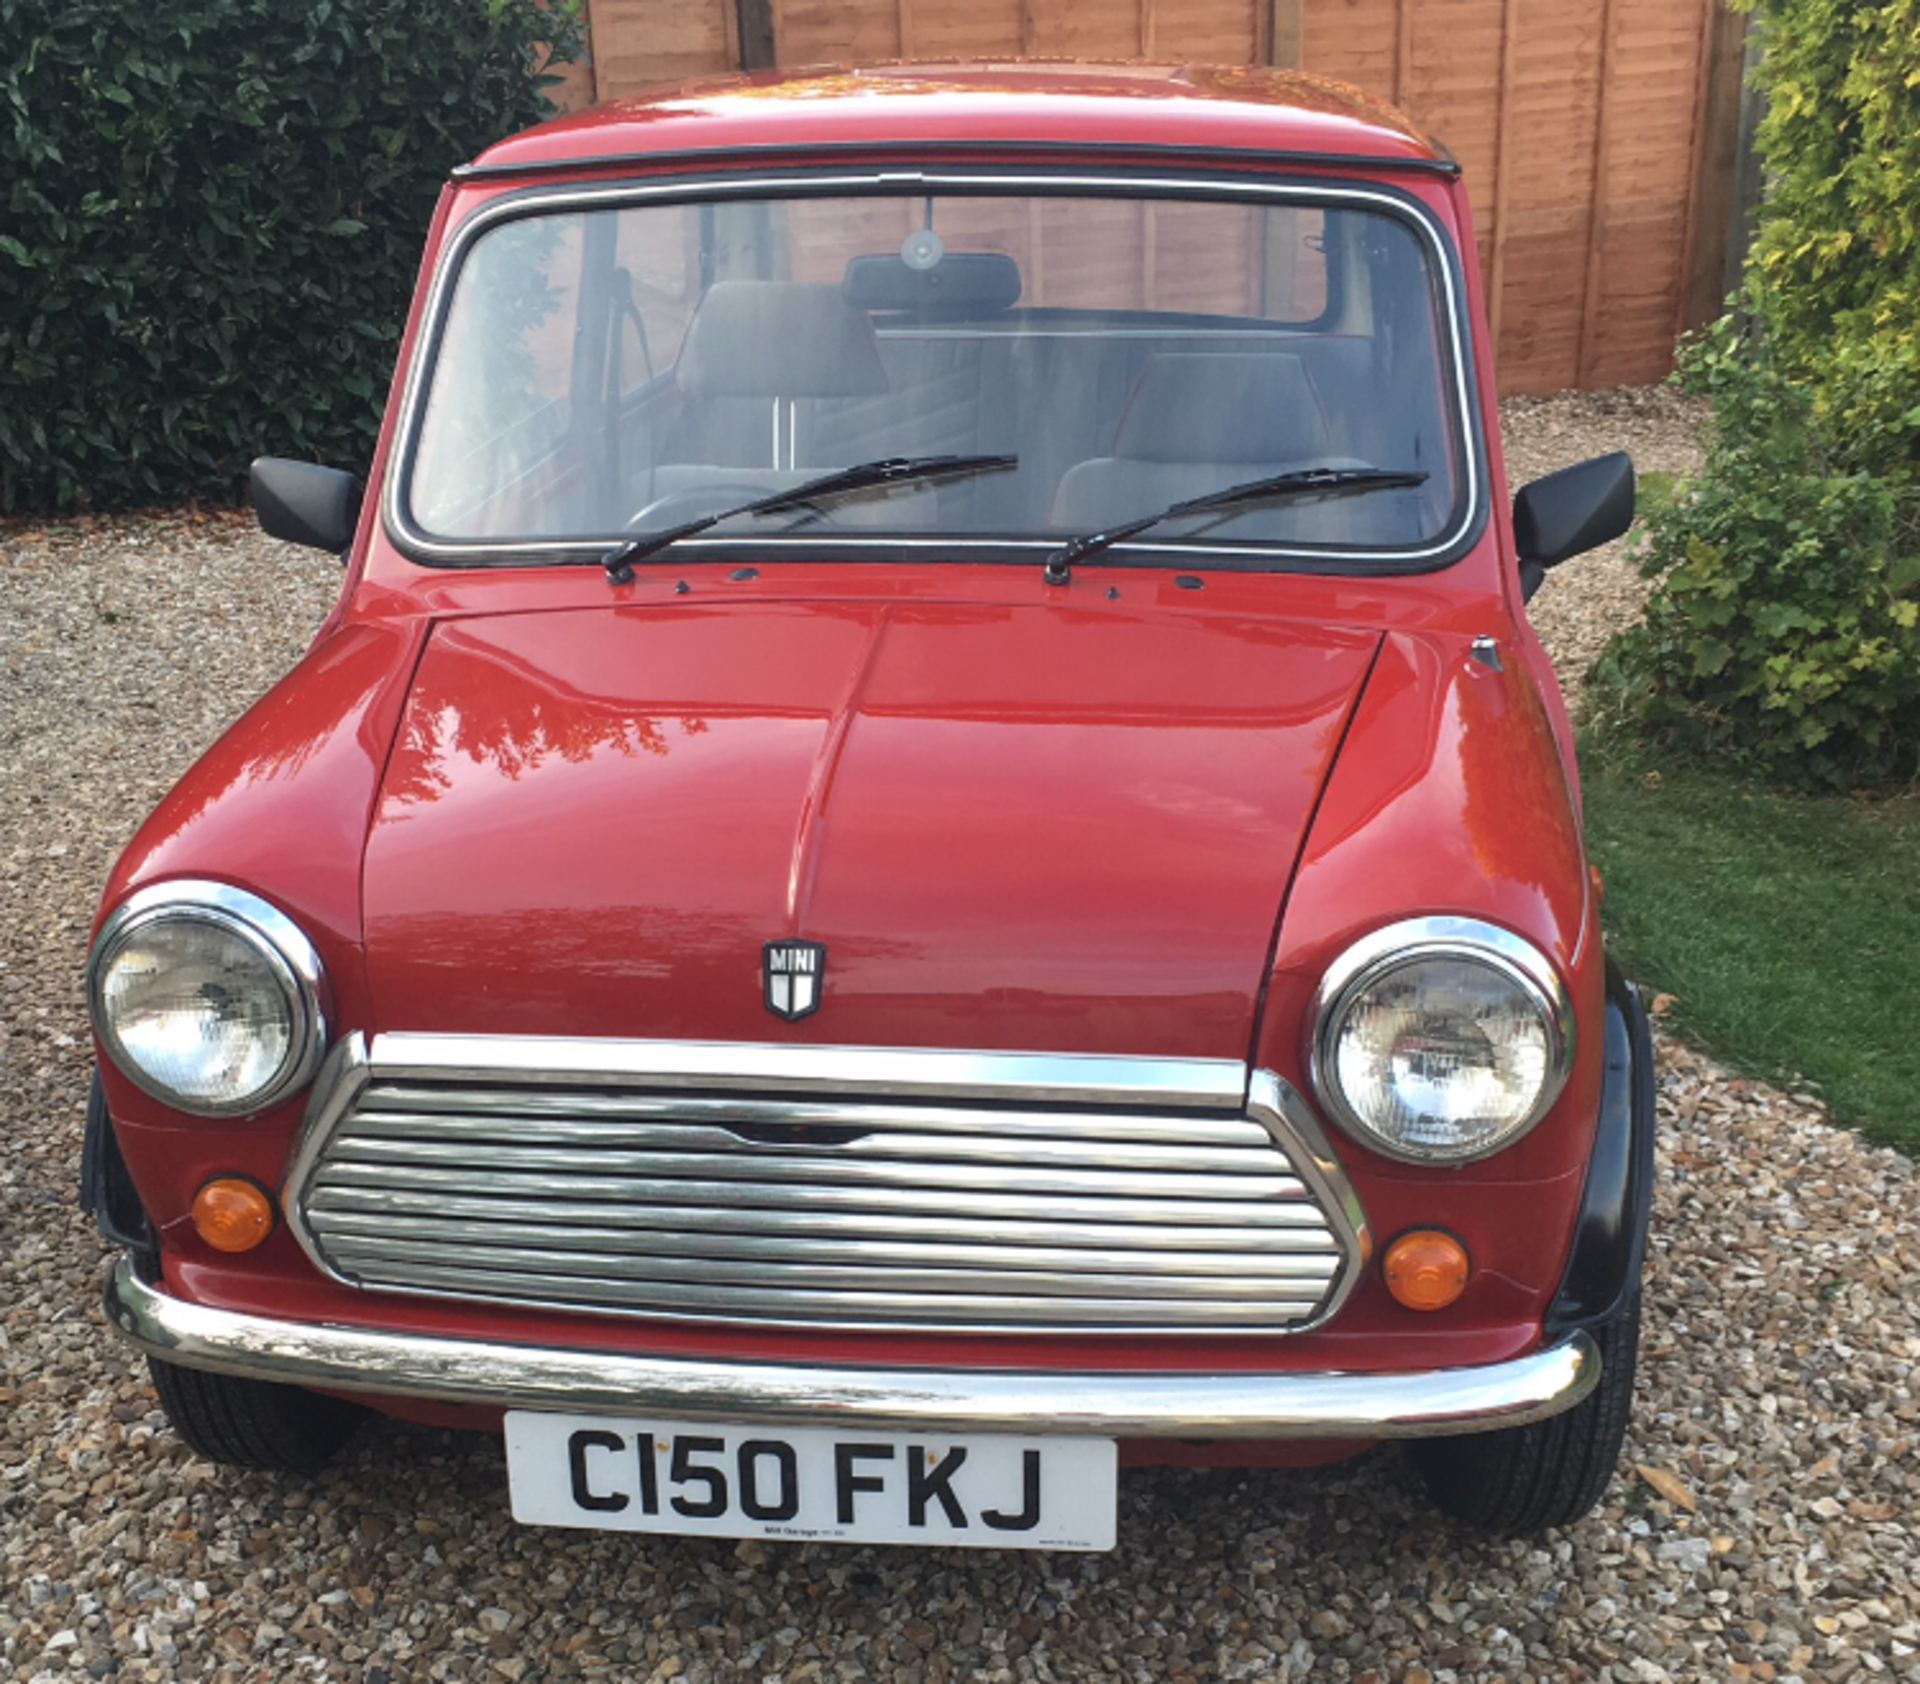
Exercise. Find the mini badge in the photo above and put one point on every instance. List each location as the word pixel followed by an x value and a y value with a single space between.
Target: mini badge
pixel 793 973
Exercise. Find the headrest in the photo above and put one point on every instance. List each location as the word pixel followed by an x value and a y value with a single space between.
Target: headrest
pixel 962 283
pixel 1250 406
pixel 778 339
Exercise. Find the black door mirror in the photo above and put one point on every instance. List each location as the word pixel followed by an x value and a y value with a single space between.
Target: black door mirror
pixel 305 503
pixel 1561 515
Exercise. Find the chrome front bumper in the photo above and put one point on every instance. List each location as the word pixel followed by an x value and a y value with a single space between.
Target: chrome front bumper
pixel 1118 1405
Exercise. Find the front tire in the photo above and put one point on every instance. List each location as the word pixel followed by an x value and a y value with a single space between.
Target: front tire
pixel 1521 1480
pixel 253 1423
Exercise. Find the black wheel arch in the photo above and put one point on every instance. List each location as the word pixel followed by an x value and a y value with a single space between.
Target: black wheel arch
pixel 1602 1271
pixel 107 1193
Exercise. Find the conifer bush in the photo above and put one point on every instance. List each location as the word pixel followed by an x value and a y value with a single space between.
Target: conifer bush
pixel 211 213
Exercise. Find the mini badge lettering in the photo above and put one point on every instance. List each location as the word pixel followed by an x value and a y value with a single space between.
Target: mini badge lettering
pixel 986 1490
pixel 793 973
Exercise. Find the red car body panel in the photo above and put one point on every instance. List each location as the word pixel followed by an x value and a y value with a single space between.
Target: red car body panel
pixel 1440 750
pixel 1013 828
pixel 520 800
pixel 1102 110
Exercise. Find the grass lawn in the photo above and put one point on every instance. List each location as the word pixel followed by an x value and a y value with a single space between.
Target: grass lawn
pixel 1787 929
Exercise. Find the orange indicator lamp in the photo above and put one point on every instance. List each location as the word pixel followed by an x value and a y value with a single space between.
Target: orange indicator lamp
pixel 1426 1269
pixel 232 1214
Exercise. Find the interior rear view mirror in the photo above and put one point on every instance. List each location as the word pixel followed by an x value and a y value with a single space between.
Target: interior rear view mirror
pixel 956 283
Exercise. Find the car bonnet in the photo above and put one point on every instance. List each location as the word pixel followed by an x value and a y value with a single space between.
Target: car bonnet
pixel 1023 826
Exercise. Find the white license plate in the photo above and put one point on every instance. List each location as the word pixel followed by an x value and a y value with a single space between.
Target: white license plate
pixel 990 1491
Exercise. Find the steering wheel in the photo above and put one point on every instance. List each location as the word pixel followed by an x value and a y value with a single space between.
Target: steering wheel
pixel 693 501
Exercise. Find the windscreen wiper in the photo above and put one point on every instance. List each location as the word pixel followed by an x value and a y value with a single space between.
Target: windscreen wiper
pixel 888 470
pixel 1276 488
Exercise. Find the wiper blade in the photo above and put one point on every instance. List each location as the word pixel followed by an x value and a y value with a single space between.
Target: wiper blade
pixel 888 470
pixel 1276 488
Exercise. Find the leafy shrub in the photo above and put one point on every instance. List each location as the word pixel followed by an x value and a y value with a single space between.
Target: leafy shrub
pixel 1781 636
pixel 1839 235
pixel 213 211
pixel 1784 635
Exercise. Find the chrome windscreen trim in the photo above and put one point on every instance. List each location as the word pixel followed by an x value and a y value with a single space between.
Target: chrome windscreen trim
pixel 1122 1404
pixel 420 545
pixel 853 1187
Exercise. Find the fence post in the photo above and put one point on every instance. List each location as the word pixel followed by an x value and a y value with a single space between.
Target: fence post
pixel 1285 21
pixel 1716 246
pixel 754 22
pixel 1588 343
pixel 1749 177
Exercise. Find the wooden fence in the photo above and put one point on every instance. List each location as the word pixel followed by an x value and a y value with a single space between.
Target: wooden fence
pixel 1599 141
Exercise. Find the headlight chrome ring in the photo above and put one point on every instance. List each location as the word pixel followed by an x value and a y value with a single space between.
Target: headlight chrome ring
pixel 1361 977
pixel 258 936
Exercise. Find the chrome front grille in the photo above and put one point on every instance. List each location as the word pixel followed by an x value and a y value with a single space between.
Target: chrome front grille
pixel 571 1179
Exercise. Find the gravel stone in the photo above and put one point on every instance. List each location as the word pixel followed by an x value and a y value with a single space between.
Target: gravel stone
pixel 1778 1389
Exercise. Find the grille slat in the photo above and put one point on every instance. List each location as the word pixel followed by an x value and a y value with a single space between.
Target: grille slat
pixel 536 1115
pixel 450 1239
pixel 347 1180
pixel 820 1211
pixel 662 1150
pixel 824 1273
pixel 1165 1226
pixel 789 1303
pixel 506 1168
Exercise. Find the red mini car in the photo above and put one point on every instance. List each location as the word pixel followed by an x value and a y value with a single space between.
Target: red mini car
pixel 928 851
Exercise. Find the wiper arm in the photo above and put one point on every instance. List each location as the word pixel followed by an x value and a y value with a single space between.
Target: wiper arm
pixel 888 470
pixel 1276 488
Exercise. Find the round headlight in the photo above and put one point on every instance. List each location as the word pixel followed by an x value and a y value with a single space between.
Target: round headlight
pixel 207 998
pixel 1441 1039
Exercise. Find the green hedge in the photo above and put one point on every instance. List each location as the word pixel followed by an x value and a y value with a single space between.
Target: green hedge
pixel 213 216
pixel 1838 247
pixel 1783 635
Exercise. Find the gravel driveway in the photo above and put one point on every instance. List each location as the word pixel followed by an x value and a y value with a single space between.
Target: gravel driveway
pixel 1771 1534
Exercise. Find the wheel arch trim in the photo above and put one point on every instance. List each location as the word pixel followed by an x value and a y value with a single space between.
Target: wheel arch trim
pixel 1610 1235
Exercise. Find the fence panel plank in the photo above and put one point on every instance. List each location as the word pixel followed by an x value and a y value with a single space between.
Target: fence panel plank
pixel 1602 208
pixel 1453 58
pixel 1640 242
pixel 985 29
pixel 1356 40
pixel 642 43
pixel 1548 194
pixel 1207 31
pixel 836 31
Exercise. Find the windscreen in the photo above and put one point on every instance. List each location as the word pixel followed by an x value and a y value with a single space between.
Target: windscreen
pixel 603 370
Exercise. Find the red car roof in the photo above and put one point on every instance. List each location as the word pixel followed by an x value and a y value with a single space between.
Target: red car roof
pixel 997 105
